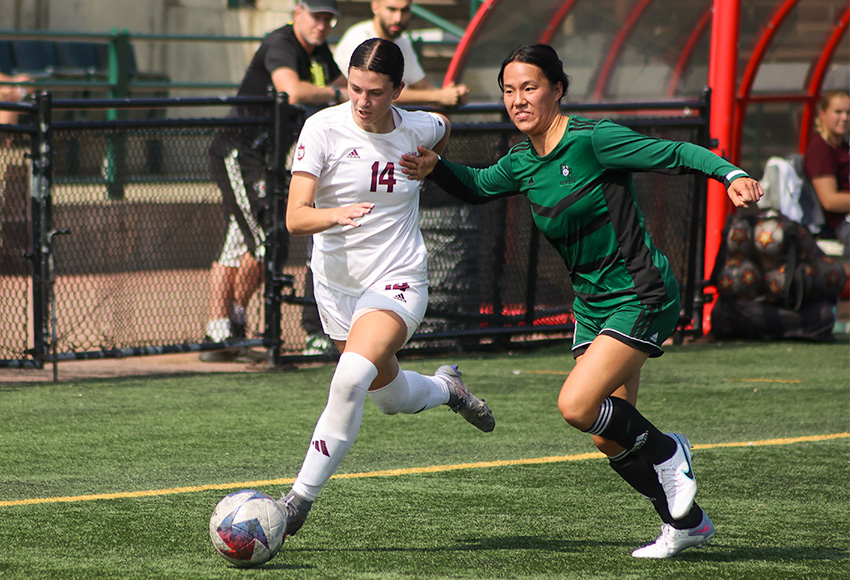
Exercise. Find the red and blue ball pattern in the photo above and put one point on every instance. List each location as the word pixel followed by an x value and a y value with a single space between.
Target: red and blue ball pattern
pixel 247 528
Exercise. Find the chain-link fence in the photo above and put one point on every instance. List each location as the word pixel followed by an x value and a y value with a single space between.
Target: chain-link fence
pixel 16 290
pixel 111 223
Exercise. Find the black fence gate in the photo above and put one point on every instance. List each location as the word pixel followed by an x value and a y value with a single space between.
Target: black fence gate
pixel 111 220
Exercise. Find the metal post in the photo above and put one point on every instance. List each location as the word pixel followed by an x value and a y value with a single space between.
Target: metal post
pixel 277 238
pixel 115 164
pixel 531 281
pixel 40 204
pixel 51 290
pixel 722 77
pixel 695 288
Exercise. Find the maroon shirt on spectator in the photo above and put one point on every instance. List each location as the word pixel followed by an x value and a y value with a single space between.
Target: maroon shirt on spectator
pixel 822 159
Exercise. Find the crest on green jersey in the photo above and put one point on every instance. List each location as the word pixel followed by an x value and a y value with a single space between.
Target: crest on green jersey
pixel 568 179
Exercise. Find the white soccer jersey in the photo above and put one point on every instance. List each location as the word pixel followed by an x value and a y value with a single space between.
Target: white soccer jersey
pixel 363 31
pixel 354 166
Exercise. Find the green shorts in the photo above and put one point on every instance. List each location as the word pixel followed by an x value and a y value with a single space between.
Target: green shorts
pixel 642 327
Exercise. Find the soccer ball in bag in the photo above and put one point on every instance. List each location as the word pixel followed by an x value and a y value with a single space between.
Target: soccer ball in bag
pixel 247 528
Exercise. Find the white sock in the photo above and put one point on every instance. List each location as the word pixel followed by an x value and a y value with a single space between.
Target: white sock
pixel 410 393
pixel 338 425
pixel 218 329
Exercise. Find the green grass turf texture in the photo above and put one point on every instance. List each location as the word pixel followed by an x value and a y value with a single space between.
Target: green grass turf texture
pixel 781 511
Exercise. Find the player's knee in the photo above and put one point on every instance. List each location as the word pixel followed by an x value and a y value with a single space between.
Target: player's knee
pixel 353 373
pixel 392 398
pixel 574 412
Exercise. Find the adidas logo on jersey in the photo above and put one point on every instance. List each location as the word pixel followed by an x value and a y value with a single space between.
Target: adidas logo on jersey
pixel 400 297
pixel 352 154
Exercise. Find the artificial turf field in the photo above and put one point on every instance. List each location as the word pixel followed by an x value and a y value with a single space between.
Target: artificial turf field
pixel 117 478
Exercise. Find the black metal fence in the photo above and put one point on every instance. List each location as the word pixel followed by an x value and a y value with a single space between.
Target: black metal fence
pixel 109 228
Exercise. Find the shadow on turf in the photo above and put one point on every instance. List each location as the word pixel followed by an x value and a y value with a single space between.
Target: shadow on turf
pixel 717 553
pixel 713 553
pixel 282 562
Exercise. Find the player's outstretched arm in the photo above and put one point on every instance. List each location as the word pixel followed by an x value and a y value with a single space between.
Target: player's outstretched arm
pixel 744 191
pixel 417 166
pixel 420 165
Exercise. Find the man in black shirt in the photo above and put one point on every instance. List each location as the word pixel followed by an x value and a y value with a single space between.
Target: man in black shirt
pixel 294 59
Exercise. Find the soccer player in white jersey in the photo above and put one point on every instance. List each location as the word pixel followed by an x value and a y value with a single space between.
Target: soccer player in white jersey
pixel 368 261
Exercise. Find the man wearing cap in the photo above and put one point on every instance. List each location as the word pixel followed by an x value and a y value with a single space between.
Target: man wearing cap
pixel 294 59
pixel 390 21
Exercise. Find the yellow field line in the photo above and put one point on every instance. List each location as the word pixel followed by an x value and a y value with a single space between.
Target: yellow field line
pixel 398 472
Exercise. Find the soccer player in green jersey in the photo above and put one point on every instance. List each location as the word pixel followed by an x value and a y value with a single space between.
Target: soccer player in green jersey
pixel 577 175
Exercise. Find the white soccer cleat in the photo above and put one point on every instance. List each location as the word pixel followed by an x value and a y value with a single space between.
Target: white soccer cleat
pixel 676 476
pixel 672 541
pixel 464 403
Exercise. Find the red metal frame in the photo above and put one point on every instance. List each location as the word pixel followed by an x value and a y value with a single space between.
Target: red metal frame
pixel 744 90
pixel 469 35
pixel 817 75
pixel 559 16
pixel 617 46
pixel 475 25
pixel 721 78
pixel 688 51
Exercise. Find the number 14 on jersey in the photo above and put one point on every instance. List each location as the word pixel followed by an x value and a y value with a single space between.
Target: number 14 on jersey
pixel 383 177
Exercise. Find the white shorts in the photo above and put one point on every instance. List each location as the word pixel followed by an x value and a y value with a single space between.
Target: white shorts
pixel 235 247
pixel 339 311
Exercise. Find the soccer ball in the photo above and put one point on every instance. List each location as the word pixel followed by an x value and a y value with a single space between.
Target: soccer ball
pixel 740 279
pixel 769 240
pixel 247 528
pixel 739 240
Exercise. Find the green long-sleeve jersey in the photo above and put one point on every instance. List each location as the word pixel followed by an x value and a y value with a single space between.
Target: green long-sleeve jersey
pixel 583 201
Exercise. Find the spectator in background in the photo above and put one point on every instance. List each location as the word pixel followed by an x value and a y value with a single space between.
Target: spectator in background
pixel 390 22
pixel 14 175
pixel 294 59
pixel 12 94
pixel 827 164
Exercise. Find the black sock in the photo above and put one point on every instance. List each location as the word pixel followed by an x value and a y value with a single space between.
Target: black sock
pixel 619 421
pixel 639 473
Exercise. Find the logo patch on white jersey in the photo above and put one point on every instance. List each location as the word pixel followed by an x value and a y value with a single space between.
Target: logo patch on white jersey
pixel 353 154
pixel 400 297
pixel 300 152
